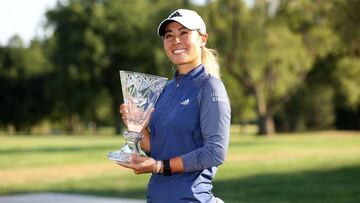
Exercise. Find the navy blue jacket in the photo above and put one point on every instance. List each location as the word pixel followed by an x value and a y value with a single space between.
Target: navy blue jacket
pixel 191 120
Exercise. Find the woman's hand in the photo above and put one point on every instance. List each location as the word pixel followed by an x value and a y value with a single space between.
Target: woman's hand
pixel 139 164
pixel 145 142
pixel 124 111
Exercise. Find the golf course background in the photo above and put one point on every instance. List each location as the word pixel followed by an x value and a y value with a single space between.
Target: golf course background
pixel 320 167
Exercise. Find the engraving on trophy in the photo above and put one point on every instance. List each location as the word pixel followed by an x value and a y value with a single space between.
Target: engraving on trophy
pixel 140 92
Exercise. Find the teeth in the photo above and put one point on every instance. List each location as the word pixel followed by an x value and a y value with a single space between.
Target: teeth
pixel 179 51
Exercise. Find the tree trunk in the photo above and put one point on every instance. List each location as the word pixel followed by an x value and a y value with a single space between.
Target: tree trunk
pixel 16 127
pixel 94 122
pixel 70 123
pixel 266 125
pixel 265 119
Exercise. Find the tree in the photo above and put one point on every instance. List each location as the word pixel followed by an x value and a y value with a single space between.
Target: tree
pixel 92 41
pixel 78 53
pixel 23 73
pixel 312 107
pixel 346 20
pixel 263 53
pixel 335 72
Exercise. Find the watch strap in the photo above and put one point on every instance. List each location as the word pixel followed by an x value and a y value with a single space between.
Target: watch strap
pixel 167 168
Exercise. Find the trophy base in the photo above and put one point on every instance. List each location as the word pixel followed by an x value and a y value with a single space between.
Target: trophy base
pixel 126 153
pixel 119 156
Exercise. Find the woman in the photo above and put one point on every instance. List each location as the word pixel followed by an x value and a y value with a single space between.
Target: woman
pixel 188 133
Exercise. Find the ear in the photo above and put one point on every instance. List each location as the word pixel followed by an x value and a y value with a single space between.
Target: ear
pixel 204 38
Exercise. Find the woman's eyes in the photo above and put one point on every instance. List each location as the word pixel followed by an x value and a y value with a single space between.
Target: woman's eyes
pixel 168 36
pixel 182 34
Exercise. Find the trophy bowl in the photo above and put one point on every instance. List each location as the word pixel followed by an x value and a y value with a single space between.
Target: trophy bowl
pixel 140 93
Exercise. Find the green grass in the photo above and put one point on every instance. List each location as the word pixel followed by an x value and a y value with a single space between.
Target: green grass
pixel 321 167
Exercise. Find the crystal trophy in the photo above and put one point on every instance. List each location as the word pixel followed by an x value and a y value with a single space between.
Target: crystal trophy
pixel 140 93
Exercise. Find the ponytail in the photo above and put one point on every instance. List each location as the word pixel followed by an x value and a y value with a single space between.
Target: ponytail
pixel 209 58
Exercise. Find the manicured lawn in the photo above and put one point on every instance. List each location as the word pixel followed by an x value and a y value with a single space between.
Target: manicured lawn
pixel 321 167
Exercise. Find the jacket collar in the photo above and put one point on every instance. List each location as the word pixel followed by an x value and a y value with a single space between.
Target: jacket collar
pixel 194 73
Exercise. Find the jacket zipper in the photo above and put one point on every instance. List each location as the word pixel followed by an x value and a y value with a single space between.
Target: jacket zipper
pixel 178 81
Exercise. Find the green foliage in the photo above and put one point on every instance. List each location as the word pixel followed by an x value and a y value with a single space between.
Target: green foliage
pixel 263 54
pixel 285 59
pixel 347 75
pixel 331 39
pixel 311 108
pixel 241 104
pixel 23 75
pixel 286 63
pixel 93 40
pixel 78 54
pixel 346 22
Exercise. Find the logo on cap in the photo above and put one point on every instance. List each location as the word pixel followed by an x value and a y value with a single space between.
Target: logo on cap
pixel 176 14
pixel 188 18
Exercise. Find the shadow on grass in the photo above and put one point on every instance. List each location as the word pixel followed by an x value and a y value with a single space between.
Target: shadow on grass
pixel 326 186
pixel 108 186
pixel 340 185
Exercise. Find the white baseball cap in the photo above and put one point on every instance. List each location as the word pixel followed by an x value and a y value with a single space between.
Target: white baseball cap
pixel 188 18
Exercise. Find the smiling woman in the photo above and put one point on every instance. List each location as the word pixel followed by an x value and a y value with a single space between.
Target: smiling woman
pixel 189 24
pixel 188 133
pixel 183 46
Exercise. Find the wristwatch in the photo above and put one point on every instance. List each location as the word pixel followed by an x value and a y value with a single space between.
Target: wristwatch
pixel 167 168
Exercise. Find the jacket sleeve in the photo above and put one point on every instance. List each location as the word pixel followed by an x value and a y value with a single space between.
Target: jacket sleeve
pixel 215 117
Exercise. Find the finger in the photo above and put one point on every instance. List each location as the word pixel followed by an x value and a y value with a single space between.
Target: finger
pixel 146 123
pixel 152 110
pixel 149 116
pixel 123 109
pixel 135 159
pixel 125 120
pixel 123 105
pixel 141 158
pixel 126 165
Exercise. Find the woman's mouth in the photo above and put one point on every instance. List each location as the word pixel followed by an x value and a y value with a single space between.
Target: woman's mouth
pixel 178 51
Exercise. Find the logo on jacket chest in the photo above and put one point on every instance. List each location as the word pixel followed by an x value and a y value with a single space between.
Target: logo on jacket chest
pixel 185 102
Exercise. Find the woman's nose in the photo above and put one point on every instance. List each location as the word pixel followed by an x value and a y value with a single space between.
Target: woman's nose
pixel 177 40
